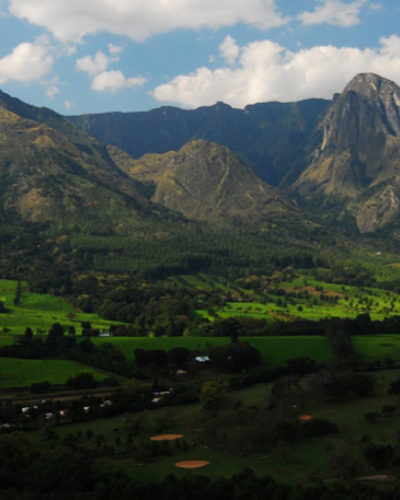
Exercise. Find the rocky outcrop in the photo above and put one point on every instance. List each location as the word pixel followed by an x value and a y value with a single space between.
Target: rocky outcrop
pixel 357 164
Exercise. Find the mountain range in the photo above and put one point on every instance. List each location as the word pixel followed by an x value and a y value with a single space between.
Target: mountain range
pixel 339 156
pixel 300 171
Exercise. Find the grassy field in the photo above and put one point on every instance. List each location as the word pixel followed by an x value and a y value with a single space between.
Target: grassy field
pixel 370 347
pixel 275 351
pixel 24 372
pixel 40 311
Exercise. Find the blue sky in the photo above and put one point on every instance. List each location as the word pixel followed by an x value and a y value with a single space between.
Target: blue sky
pixel 92 56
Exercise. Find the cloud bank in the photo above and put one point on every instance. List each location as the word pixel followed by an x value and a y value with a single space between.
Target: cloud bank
pixel 28 62
pixel 71 20
pixel 334 12
pixel 103 80
pixel 266 71
pixel 113 81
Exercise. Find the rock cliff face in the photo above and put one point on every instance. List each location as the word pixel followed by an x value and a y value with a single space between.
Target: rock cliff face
pixel 207 182
pixel 355 171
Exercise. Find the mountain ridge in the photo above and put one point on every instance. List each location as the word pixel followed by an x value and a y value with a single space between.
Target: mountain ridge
pixel 283 126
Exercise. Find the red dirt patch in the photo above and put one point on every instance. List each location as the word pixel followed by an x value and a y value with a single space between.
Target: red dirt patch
pixel 167 437
pixel 305 417
pixel 191 464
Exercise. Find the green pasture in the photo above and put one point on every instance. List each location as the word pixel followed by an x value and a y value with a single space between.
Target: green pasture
pixel 40 311
pixel 370 347
pixel 350 304
pixel 351 300
pixel 24 372
pixel 275 351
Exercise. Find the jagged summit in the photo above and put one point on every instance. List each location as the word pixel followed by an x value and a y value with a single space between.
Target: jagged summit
pixel 369 82
pixel 368 107
pixel 356 168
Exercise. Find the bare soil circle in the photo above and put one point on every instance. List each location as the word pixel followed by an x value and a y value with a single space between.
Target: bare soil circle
pixel 166 437
pixel 192 464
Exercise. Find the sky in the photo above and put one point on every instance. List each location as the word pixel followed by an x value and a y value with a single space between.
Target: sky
pixel 96 56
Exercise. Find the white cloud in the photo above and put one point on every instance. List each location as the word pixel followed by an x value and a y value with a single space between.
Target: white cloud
pixel 211 59
pixel 334 12
pixel 71 20
pixel 268 72
pixel 103 80
pixel 27 62
pixel 52 88
pixel 115 49
pixel 115 80
pixel 93 65
pixel 229 50
pixel 68 105
pixel 375 6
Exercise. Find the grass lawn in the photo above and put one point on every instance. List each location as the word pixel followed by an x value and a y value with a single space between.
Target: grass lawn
pixel 370 347
pixel 24 372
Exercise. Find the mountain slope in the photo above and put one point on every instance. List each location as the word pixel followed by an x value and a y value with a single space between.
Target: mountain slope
pixel 355 171
pixel 206 182
pixel 273 138
pixel 45 178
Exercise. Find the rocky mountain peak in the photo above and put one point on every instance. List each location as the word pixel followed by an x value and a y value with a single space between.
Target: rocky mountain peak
pixel 369 83
pixel 358 159
pixel 367 111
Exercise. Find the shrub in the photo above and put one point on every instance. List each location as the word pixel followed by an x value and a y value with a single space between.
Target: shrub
pixel 318 427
